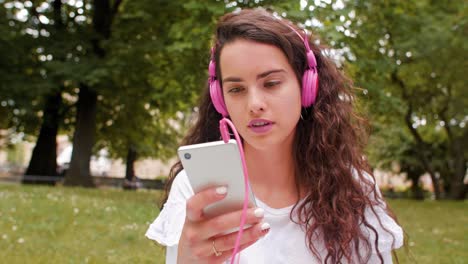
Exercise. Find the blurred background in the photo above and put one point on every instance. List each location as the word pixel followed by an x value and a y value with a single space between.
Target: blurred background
pixel 96 95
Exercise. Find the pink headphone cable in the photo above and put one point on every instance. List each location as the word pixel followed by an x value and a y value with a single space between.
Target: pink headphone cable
pixel 225 135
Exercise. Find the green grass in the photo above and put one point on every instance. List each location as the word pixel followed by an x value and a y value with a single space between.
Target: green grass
pixel 75 225
pixel 437 231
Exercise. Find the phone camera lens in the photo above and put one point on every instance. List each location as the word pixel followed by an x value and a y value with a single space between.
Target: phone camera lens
pixel 187 156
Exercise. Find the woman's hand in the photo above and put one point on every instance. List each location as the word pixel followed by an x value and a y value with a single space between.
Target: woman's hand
pixel 202 239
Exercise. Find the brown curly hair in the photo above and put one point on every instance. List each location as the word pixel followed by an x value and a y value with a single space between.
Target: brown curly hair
pixel 328 144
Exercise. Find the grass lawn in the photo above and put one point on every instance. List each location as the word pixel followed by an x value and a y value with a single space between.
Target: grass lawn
pixel 75 225
pixel 437 231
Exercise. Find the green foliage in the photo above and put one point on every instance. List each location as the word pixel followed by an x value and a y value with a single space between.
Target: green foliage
pixel 157 70
pixel 406 58
pixel 42 60
pixel 148 71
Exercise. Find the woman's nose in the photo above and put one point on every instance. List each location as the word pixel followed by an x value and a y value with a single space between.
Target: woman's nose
pixel 256 101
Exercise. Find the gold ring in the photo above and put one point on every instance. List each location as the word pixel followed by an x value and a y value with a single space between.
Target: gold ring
pixel 216 252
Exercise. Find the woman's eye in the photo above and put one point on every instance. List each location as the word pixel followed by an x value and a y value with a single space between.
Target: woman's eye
pixel 235 90
pixel 271 84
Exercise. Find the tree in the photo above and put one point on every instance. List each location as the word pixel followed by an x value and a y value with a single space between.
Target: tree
pixel 399 53
pixel 128 70
pixel 160 70
pixel 43 159
pixel 141 121
pixel 27 94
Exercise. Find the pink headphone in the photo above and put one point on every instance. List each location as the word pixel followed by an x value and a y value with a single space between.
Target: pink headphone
pixel 309 80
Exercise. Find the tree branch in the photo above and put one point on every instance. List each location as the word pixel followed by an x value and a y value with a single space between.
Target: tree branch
pixel 419 141
pixel 115 8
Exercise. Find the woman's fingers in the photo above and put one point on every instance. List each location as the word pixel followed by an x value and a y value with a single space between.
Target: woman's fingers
pixel 225 245
pixel 229 222
pixel 250 235
pixel 229 253
pixel 203 237
pixel 202 199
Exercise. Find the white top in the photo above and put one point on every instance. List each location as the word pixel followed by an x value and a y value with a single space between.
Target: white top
pixel 283 243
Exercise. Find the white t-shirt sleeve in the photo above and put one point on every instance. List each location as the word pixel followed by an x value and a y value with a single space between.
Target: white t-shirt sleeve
pixel 386 256
pixel 389 232
pixel 167 227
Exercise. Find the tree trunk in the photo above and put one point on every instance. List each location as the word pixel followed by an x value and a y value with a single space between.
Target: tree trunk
pixel 423 146
pixel 457 187
pixel 130 180
pixel 130 169
pixel 423 157
pixel 416 190
pixel 83 139
pixel 44 157
pixel 414 173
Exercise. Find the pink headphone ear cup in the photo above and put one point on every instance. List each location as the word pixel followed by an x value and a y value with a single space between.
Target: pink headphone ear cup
pixel 306 89
pixel 309 88
pixel 217 98
pixel 314 87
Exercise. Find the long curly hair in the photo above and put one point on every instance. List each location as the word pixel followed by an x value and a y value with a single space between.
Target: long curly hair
pixel 328 144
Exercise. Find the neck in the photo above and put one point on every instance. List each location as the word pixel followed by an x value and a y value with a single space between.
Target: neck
pixel 271 174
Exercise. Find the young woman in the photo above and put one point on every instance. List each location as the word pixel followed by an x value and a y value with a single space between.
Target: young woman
pixel 317 200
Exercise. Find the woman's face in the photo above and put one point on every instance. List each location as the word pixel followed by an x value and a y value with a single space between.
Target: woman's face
pixel 261 92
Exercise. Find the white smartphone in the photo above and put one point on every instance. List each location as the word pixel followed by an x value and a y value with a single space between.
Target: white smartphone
pixel 214 164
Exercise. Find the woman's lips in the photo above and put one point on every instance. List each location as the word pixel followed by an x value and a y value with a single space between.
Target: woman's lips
pixel 260 125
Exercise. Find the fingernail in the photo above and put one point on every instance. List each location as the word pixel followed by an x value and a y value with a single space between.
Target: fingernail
pixel 265 227
pixel 221 190
pixel 259 212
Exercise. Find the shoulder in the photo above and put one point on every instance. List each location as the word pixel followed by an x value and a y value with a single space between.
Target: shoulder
pixel 369 186
pixel 378 216
pixel 167 227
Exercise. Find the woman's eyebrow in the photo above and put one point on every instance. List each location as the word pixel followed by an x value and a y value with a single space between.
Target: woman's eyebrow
pixel 259 76
pixel 265 74
pixel 232 79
